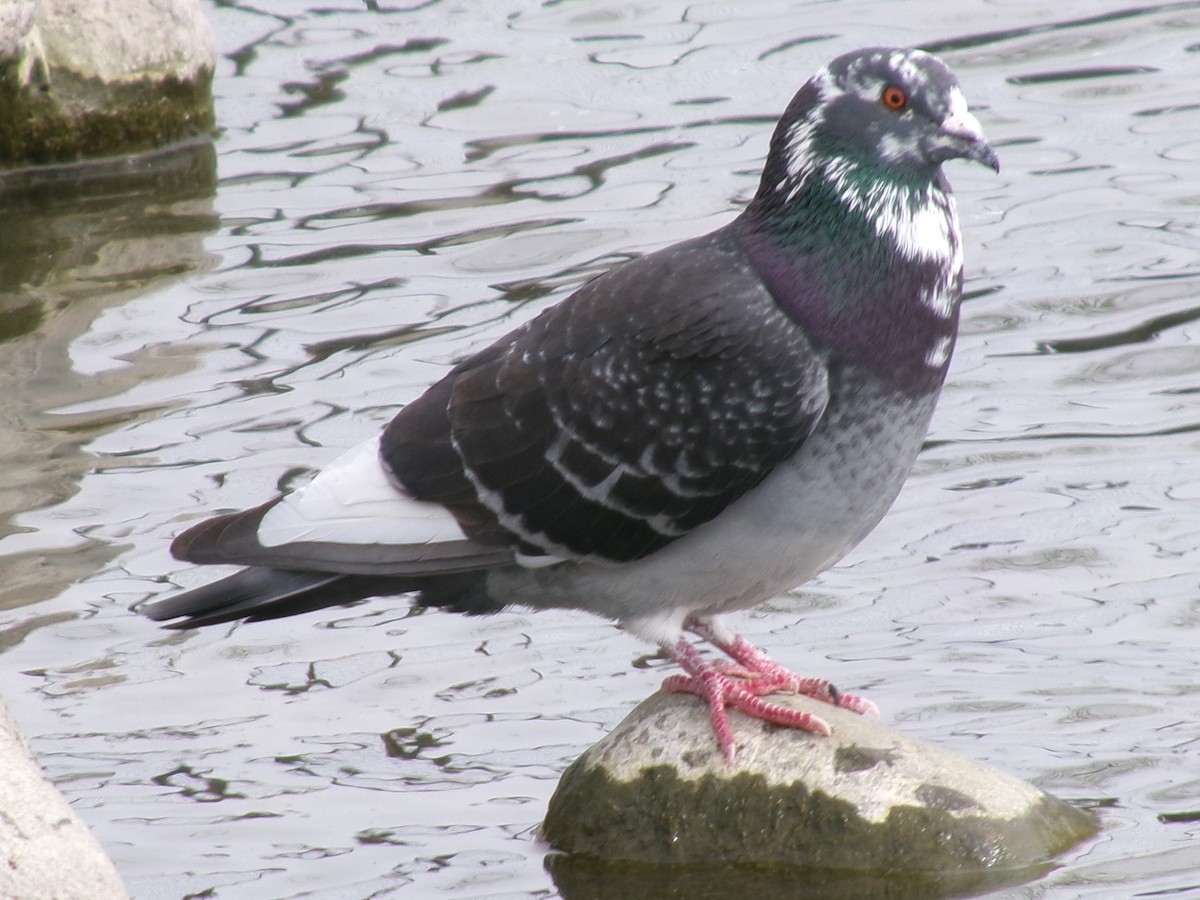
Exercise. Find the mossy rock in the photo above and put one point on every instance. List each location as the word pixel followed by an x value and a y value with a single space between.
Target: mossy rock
pixel 85 79
pixel 865 803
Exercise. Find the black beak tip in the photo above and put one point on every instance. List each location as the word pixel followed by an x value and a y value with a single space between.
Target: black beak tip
pixel 988 157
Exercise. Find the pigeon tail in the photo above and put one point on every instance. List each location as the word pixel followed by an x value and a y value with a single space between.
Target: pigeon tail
pixel 259 593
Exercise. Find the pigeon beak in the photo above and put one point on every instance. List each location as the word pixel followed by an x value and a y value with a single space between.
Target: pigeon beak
pixel 961 137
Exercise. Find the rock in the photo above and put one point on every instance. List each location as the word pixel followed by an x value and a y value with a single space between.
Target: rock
pixel 45 851
pixel 89 78
pixel 655 800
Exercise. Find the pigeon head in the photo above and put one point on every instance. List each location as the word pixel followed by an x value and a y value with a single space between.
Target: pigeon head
pixel 893 114
pixel 904 107
pixel 854 226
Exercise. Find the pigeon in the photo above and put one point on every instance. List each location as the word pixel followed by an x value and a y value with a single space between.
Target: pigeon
pixel 690 433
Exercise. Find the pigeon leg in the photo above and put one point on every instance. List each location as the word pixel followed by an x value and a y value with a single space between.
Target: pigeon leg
pixel 762 675
pixel 720 690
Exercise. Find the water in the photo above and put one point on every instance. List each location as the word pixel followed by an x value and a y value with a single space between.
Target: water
pixel 396 187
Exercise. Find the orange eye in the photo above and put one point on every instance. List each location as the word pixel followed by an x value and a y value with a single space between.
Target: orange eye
pixel 894 98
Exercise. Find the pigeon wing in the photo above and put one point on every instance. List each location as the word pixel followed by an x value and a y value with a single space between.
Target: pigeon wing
pixel 621 419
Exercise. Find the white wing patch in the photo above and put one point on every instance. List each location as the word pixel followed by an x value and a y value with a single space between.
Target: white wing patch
pixel 352 501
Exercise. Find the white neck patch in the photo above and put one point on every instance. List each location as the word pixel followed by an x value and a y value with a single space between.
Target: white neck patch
pixel 799 158
pixel 921 224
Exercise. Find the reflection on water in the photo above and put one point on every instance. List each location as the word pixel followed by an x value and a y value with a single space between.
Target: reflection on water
pixel 399 184
pixel 585 879
pixel 76 241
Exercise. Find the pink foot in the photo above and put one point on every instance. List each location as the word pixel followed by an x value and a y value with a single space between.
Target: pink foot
pixel 743 683
pixel 719 689
pixel 765 676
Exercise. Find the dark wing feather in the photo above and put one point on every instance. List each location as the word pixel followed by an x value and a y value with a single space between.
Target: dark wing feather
pixel 633 412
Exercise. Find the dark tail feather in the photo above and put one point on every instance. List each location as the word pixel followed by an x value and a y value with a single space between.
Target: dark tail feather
pixel 258 593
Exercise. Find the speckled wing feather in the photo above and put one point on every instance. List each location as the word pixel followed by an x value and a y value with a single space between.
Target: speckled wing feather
pixel 621 419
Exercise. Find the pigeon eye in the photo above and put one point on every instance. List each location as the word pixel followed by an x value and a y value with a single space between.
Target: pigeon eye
pixel 894 98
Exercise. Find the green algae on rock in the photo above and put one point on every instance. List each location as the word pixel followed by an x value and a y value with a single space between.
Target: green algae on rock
pixel 83 79
pixel 865 800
